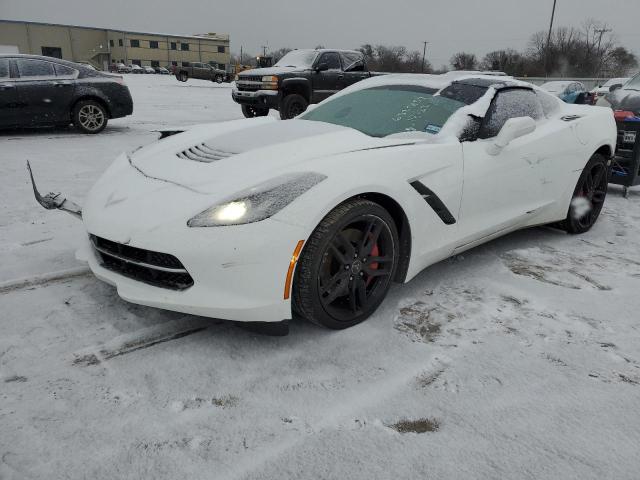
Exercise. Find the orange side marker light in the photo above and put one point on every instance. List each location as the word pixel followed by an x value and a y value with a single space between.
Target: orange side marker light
pixel 292 266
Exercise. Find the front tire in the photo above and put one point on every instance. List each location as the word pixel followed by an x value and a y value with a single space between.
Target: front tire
pixel 89 116
pixel 347 266
pixel 250 112
pixel 292 106
pixel 218 79
pixel 588 196
pixel 183 77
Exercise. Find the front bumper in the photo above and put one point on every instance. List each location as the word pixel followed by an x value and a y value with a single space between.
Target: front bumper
pixel 258 98
pixel 238 272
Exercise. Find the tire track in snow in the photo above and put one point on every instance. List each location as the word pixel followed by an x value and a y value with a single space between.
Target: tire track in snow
pixel 43 280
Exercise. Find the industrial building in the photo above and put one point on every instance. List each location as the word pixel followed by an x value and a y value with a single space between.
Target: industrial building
pixel 102 47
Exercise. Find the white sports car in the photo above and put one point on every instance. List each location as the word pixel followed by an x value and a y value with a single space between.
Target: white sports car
pixel 257 220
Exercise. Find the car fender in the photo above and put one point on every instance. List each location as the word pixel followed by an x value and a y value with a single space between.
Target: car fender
pixel 299 84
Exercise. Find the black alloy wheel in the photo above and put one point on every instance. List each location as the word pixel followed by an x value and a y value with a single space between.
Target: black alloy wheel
pixel 292 106
pixel 588 196
pixel 347 266
pixel 250 112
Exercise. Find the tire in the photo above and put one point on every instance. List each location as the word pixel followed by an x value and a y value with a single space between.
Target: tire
pixel 250 112
pixel 90 116
pixel 218 79
pixel 183 76
pixel 337 286
pixel 292 106
pixel 589 195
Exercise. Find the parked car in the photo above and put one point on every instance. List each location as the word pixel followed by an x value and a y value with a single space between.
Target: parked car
pixel 37 91
pixel 136 68
pixel 569 92
pixel 299 78
pixel 122 68
pixel 148 69
pixel 202 71
pixel 602 90
pixel 317 216
pixel 162 71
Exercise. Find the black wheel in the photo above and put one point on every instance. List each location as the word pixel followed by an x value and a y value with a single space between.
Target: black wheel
pixel 292 106
pixel 183 77
pixel 588 196
pixel 249 112
pixel 347 265
pixel 89 116
pixel 218 79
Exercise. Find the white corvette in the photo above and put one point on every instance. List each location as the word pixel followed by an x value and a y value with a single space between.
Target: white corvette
pixel 257 220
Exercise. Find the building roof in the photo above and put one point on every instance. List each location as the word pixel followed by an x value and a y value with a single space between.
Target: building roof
pixel 210 36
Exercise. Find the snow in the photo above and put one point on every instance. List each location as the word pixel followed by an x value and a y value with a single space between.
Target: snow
pixel 524 352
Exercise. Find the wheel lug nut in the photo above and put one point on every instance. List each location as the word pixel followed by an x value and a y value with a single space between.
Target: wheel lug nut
pixel 350 278
pixel 346 267
pixel 361 274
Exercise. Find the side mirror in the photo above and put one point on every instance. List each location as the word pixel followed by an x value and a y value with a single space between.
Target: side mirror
pixel 321 67
pixel 615 87
pixel 512 129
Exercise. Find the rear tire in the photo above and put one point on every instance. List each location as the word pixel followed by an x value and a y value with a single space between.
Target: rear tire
pixel 292 106
pixel 90 116
pixel 218 79
pixel 183 77
pixel 346 266
pixel 588 196
pixel 250 112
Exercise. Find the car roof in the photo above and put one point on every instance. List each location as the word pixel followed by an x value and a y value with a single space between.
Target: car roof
pixel 47 59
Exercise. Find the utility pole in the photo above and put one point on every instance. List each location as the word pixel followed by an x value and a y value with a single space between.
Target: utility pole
pixel 546 54
pixel 601 31
pixel 424 53
pixel 241 55
pixel 264 50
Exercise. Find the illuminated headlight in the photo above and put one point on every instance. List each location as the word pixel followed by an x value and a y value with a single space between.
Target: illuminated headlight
pixel 257 203
pixel 269 82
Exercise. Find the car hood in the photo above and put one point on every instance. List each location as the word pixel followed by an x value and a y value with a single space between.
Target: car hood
pixel 270 71
pixel 228 156
pixel 622 99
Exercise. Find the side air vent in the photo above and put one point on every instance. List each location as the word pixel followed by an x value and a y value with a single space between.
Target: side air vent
pixel 435 203
pixel 570 118
pixel 204 153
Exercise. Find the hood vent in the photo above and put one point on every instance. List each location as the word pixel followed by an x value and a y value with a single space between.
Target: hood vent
pixel 204 153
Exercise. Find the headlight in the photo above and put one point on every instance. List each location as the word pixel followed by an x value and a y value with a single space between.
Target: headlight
pixel 257 203
pixel 237 77
pixel 269 82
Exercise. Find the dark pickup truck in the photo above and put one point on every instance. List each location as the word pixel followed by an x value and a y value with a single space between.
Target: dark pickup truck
pixel 202 71
pixel 300 77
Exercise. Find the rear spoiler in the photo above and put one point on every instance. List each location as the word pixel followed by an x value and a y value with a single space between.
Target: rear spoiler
pixel 53 201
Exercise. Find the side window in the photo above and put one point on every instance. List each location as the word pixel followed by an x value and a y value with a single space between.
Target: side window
pixel 353 62
pixel 64 71
pixel 4 68
pixel 34 68
pixel 550 104
pixel 512 103
pixel 571 88
pixel 332 59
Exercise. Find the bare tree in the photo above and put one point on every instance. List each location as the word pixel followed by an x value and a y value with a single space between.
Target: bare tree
pixel 464 61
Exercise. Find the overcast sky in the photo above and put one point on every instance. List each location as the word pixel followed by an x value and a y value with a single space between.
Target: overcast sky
pixel 448 25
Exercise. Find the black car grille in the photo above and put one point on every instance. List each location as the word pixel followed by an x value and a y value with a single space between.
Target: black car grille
pixel 249 83
pixel 155 268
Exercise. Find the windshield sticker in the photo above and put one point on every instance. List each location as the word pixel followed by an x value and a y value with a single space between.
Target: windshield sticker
pixel 432 128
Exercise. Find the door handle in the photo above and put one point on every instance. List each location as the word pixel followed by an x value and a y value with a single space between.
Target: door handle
pixel 61 84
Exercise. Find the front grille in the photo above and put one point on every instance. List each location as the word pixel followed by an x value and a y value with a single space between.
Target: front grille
pixel 204 153
pixel 249 83
pixel 155 268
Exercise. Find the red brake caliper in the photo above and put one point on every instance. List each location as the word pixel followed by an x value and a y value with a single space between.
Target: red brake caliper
pixel 375 251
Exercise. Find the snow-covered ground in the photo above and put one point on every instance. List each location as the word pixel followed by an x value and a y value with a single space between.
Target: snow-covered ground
pixel 520 358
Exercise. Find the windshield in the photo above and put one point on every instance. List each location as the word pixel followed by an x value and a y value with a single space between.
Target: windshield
pixel 297 58
pixel 634 83
pixel 615 81
pixel 389 109
pixel 554 86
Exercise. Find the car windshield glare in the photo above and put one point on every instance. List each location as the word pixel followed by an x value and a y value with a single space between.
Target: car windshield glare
pixel 387 110
pixel 297 58
pixel 634 83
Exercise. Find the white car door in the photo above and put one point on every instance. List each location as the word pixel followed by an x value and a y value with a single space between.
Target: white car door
pixel 504 189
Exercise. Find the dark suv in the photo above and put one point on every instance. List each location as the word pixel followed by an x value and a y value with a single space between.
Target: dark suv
pixel 37 91
pixel 300 77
